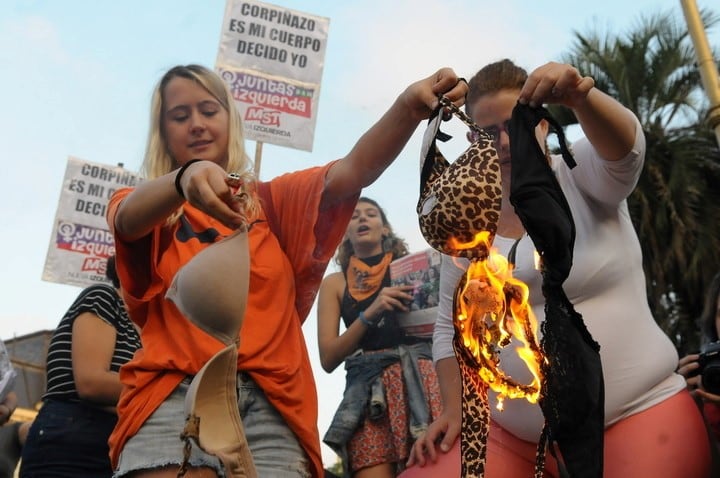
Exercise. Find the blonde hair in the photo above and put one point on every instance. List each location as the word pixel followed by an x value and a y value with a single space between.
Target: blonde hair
pixel 158 161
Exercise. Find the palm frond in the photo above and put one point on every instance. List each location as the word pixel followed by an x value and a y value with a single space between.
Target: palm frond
pixel 676 204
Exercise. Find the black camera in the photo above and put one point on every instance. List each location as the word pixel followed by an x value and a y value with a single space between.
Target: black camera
pixel 709 369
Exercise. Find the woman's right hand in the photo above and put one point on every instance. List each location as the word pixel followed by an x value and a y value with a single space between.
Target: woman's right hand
pixel 204 185
pixel 441 434
pixel 389 298
pixel 421 98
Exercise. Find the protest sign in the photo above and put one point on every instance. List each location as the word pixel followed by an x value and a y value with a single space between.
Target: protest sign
pixel 81 241
pixel 272 60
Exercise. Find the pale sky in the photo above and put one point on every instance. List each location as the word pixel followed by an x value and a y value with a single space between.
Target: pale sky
pixel 77 77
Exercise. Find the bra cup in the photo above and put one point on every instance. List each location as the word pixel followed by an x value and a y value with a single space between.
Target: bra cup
pixel 459 200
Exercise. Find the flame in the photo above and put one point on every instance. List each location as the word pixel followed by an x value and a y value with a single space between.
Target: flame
pixel 491 308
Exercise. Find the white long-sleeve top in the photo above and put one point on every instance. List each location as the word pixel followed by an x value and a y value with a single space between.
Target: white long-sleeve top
pixel 606 285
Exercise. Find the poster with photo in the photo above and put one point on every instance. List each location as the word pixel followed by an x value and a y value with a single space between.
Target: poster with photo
pixel 422 271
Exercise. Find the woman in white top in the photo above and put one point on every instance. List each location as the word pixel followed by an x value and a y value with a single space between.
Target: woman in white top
pixel 652 426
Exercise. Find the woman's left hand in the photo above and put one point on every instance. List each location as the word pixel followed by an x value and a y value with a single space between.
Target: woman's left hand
pixel 707 396
pixel 556 83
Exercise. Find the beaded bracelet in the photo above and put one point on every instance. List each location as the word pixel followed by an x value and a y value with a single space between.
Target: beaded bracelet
pixel 179 174
pixel 365 321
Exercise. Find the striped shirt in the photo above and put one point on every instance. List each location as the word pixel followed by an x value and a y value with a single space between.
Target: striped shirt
pixel 103 301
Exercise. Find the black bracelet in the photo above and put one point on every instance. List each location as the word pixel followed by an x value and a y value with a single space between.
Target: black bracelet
pixel 179 174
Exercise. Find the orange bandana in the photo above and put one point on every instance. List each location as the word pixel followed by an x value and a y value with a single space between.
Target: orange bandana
pixel 364 280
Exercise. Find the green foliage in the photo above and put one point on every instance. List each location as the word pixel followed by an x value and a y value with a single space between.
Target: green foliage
pixel 676 205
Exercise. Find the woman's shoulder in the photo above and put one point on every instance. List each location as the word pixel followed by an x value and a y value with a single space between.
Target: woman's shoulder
pixel 99 290
pixel 334 284
pixel 334 281
pixel 101 299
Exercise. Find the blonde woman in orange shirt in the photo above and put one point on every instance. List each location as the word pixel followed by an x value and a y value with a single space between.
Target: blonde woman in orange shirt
pixel 278 238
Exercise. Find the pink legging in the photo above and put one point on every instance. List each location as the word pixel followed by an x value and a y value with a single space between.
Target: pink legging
pixel 668 440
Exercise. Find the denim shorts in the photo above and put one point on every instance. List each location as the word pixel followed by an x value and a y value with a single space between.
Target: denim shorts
pixel 274 447
pixel 64 431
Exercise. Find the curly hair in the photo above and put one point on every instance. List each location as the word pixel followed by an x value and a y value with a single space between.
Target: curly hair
pixel 391 242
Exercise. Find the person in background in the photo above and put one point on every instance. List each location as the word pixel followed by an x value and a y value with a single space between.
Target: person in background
pixel 12 440
pixel 289 227
pixel 12 434
pixel 689 367
pixel 7 407
pixel 8 397
pixel 373 346
pixel 644 397
pixel 69 435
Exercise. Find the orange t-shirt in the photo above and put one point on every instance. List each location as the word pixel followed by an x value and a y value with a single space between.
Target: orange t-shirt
pixel 289 253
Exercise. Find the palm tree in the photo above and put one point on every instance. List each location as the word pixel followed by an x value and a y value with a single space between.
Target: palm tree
pixel 676 205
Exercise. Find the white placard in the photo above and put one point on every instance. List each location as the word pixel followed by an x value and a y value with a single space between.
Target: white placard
pixel 81 241
pixel 272 60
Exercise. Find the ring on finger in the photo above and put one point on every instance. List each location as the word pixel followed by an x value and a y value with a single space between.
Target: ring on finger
pixel 234 180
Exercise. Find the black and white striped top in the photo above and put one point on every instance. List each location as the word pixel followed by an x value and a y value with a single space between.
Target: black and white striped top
pixel 103 301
